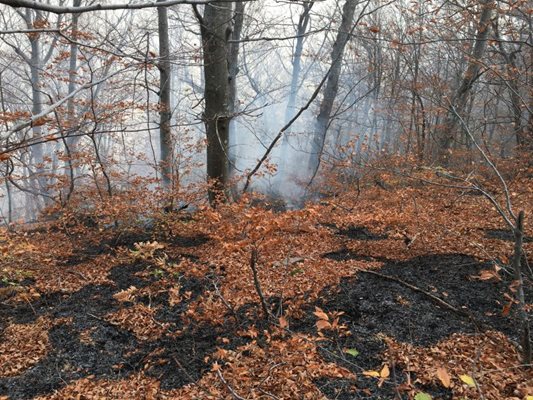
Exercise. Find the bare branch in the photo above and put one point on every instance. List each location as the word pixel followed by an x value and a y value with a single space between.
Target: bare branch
pixel 37 5
pixel 488 161
pixel 51 108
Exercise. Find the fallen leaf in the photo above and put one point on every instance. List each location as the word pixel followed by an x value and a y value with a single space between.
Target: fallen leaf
pixel 422 396
pixel 322 324
pixel 352 352
pixel 468 380
pixel 321 314
pixel 487 275
pixel 374 374
pixel 385 372
pixel 507 309
pixel 444 377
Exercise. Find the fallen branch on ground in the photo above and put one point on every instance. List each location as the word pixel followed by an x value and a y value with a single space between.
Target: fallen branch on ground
pixel 438 300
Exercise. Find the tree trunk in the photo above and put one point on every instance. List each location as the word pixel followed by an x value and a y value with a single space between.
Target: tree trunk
pixel 71 142
pixel 37 108
pixel 448 132
pixel 290 111
pixel 303 23
pixel 233 71
pixel 216 31
pixel 233 58
pixel 165 112
pixel 332 84
pixel 517 262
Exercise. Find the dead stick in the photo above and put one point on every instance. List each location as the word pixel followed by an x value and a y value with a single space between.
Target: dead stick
pixel 233 393
pixel 224 301
pixel 253 266
pixel 520 297
pixel 193 381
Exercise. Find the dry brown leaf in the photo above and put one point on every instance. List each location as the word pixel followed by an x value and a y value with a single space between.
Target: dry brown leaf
pixel 323 324
pixel 321 314
pixel 444 377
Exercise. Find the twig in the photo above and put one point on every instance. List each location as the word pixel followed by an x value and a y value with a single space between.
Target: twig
pixel 193 381
pixel 492 166
pixel 268 394
pixel 257 284
pixel 224 301
pixel 233 393
pixel 436 299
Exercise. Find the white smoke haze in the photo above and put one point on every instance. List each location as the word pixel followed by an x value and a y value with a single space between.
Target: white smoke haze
pixel 134 148
pixel 381 106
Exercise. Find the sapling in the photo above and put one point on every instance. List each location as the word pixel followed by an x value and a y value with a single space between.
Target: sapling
pixel 516 224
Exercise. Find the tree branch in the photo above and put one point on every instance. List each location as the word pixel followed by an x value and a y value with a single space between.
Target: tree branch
pixel 37 5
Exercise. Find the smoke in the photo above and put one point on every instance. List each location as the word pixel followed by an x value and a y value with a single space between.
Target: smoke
pixel 285 170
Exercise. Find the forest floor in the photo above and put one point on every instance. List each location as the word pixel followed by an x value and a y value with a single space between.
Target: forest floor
pixel 387 294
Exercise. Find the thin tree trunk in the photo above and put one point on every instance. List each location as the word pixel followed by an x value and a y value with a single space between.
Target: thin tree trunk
pixel 165 112
pixel 303 23
pixel 448 132
pixel 37 108
pixel 216 31
pixel 233 57
pixel 517 262
pixel 332 84
pixel 70 143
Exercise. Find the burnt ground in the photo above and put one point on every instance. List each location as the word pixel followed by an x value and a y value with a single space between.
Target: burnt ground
pixel 505 234
pixel 371 305
pixel 112 352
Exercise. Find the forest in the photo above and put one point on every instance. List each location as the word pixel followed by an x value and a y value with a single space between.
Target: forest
pixel 266 199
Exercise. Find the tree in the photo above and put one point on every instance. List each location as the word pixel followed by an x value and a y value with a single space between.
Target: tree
pixel 460 96
pixel 216 32
pixel 165 112
pixel 332 84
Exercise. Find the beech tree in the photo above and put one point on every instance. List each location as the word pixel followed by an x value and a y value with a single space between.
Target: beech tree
pixel 459 97
pixel 216 33
pixel 165 112
pixel 386 73
pixel 330 90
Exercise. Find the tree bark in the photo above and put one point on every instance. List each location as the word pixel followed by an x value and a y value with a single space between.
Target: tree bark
pixel 517 263
pixel 165 112
pixel 459 99
pixel 233 57
pixel 216 32
pixel 332 84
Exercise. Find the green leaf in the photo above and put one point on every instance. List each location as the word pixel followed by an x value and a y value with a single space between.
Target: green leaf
pixel 422 396
pixel 468 380
pixel 296 271
pixel 352 352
